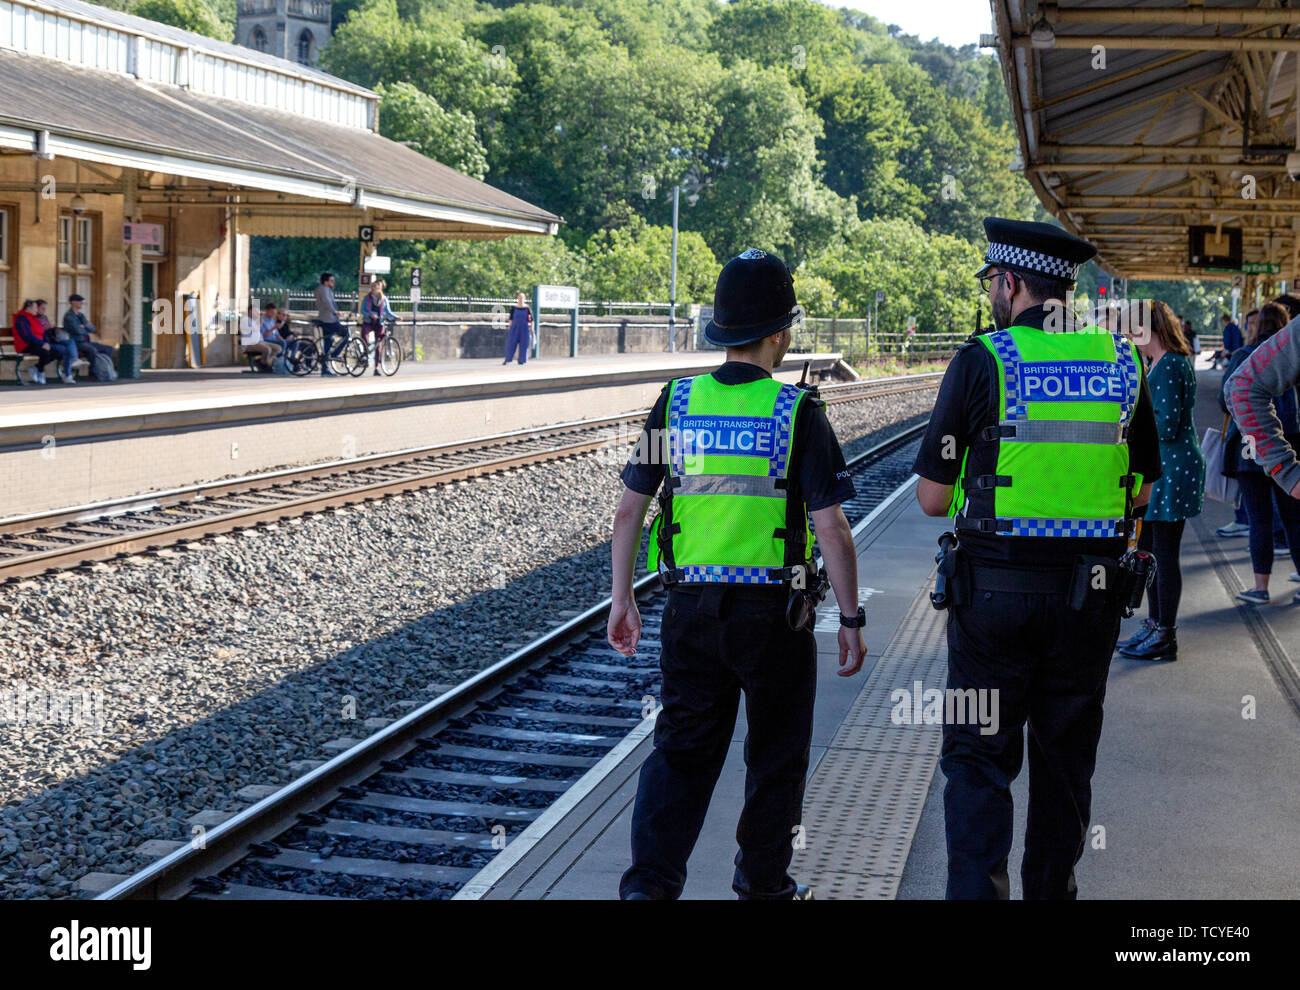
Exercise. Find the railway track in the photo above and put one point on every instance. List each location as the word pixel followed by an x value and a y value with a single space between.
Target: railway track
pixel 84 535
pixel 420 807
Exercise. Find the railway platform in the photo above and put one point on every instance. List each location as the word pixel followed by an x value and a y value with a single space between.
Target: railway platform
pixel 1195 782
pixel 74 446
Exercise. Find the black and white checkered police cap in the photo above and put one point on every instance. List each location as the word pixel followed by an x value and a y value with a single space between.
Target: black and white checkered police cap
pixel 1028 246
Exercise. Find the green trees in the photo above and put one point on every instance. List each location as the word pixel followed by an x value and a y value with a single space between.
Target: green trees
pixel 190 15
pixel 867 160
pixel 408 115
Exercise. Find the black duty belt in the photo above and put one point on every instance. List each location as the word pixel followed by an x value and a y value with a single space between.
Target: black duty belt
pixel 1020 581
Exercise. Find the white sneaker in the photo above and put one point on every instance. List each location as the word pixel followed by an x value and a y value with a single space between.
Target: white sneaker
pixel 33 375
pixel 1293 576
pixel 67 379
pixel 40 377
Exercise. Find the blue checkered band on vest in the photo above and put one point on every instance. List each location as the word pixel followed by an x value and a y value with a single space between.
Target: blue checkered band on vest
pixel 1124 355
pixel 680 398
pixel 730 574
pixel 781 412
pixel 1010 254
pixel 1005 345
pixel 1066 527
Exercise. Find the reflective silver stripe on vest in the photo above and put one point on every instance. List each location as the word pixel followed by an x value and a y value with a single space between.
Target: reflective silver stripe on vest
pixel 728 484
pixel 1064 431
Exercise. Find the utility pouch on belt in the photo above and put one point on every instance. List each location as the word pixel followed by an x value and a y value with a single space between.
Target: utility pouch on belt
pixel 950 586
pixel 1095 585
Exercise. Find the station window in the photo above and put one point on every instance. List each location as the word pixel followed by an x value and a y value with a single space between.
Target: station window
pixel 258 39
pixel 76 258
pixel 304 48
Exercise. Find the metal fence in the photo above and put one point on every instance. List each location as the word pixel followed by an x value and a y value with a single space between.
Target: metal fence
pixel 860 343
pixel 299 301
pixel 856 339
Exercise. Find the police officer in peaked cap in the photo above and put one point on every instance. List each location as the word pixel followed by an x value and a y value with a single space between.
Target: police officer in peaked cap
pixel 1042 447
pixel 740 462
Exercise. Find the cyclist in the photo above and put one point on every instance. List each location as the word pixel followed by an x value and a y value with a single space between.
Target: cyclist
pixel 327 316
pixel 375 315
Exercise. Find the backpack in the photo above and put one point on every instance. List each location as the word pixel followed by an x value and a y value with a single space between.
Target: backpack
pixel 101 369
pixel 279 365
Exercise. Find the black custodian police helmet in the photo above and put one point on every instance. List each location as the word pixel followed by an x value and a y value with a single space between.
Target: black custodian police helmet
pixel 1029 246
pixel 754 298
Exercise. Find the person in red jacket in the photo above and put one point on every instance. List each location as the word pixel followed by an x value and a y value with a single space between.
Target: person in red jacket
pixel 29 337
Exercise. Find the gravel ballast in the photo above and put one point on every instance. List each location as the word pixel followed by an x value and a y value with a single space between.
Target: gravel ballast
pixel 136 694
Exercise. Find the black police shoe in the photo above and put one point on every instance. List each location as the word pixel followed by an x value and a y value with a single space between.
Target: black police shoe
pixel 1146 629
pixel 1162 644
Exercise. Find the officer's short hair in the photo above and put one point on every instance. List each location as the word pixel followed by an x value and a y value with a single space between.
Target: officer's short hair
pixel 1043 287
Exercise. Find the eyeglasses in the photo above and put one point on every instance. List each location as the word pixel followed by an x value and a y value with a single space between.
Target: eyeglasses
pixel 986 281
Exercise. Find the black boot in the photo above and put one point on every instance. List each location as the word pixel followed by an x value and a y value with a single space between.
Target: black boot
pixel 1162 644
pixel 1146 629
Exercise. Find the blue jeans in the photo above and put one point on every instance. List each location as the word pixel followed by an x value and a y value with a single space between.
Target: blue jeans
pixel 335 339
pixel 63 351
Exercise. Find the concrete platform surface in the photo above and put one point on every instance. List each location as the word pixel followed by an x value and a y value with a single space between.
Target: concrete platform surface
pixel 1197 789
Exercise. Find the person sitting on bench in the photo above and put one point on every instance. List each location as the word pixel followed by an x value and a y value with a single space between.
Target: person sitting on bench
pixel 29 338
pixel 250 338
pixel 79 329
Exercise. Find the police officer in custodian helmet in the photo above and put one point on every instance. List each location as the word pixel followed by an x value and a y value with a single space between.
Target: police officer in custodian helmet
pixel 1042 447
pixel 742 461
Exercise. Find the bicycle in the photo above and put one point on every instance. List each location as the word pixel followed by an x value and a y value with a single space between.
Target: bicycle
pixel 335 362
pixel 387 353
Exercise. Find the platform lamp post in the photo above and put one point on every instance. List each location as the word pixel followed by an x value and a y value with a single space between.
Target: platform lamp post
pixel 672 280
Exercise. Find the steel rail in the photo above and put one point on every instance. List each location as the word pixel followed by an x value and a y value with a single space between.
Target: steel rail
pixel 172 876
pixel 587 435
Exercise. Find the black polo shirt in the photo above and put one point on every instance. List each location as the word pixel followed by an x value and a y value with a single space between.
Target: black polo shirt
pixel 816 461
pixel 969 402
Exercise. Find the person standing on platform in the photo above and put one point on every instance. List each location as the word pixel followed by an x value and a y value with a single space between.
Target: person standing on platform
pixel 1042 445
pixel 375 317
pixel 732 544
pixel 1232 338
pixel 327 314
pixel 1276 424
pixel 519 336
pixel 1179 493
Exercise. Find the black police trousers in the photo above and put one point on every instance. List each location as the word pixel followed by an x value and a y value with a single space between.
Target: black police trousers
pixel 718 642
pixel 1048 665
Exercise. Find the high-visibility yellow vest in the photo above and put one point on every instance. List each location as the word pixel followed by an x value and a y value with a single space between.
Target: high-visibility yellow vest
pixel 725 513
pixel 1066 400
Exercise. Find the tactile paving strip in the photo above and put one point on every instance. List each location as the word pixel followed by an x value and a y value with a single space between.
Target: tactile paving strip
pixel 865 798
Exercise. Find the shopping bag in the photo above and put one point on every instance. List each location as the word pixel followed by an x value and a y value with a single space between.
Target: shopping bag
pixel 1217 485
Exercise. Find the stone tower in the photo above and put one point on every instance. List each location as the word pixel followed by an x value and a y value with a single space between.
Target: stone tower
pixel 292 29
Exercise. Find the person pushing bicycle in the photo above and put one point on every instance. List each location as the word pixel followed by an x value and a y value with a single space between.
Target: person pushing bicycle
pixel 375 317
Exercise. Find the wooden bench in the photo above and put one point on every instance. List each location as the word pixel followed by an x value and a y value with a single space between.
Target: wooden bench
pixel 9 354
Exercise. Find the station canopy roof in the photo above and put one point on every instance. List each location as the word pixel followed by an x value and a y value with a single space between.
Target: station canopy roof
pixel 284 174
pixel 1138 120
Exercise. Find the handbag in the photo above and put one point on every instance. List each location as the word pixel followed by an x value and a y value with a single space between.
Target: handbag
pixel 1218 485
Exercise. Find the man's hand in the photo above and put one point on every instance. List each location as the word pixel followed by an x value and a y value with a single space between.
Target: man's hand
pixel 851 645
pixel 624 629
pixel 1295 492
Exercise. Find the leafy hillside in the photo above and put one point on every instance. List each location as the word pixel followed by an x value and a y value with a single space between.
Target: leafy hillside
pixel 855 153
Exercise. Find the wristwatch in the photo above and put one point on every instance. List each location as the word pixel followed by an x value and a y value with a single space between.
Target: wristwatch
pixel 857 622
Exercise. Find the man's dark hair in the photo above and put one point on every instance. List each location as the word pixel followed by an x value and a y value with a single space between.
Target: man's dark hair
pixel 1227 318
pixel 324 276
pixel 28 303
pixel 1042 287
pixel 1289 302
pixel 268 305
pixel 41 302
